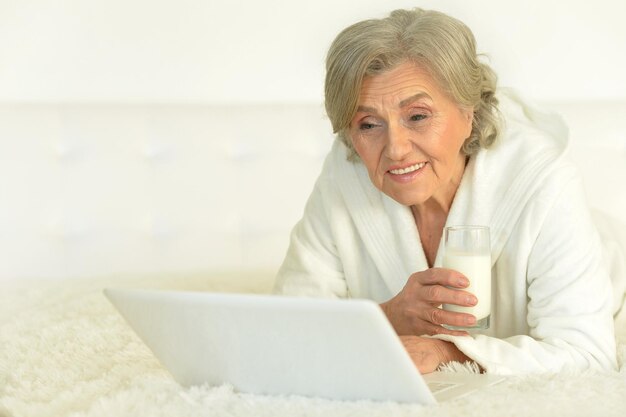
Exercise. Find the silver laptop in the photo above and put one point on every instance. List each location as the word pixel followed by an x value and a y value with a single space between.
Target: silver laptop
pixel 264 344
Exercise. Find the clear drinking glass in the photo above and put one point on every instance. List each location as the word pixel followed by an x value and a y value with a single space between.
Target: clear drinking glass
pixel 467 249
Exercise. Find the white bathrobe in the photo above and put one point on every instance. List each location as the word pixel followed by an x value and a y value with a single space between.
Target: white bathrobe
pixel 552 295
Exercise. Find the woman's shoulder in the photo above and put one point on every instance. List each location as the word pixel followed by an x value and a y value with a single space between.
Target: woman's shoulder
pixel 532 139
pixel 528 125
pixel 528 163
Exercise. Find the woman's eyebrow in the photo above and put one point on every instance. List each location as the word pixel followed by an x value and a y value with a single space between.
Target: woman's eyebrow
pixel 403 103
pixel 413 98
pixel 366 109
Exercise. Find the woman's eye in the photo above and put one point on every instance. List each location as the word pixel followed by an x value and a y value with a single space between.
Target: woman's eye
pixel 367 126
pixel 417 117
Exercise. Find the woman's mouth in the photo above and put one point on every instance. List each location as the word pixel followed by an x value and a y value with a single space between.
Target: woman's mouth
pixel 408 169
pixel 406 174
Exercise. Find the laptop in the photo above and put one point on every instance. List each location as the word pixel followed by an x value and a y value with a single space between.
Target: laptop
pixel 277 345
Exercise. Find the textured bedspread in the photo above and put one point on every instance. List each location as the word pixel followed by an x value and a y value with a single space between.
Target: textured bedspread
pixel 64 351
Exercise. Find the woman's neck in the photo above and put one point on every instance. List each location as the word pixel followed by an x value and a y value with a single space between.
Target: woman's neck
pixel 440 202
pixel 430 216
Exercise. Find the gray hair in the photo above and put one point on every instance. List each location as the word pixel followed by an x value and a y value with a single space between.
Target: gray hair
pixel 442 45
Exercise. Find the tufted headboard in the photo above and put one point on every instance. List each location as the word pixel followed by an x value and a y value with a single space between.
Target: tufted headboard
pixel 95 189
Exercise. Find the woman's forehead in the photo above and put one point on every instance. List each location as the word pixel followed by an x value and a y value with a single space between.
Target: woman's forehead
pixel 403 84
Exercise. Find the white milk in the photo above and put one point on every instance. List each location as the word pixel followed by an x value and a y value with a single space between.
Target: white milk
pixel 477 268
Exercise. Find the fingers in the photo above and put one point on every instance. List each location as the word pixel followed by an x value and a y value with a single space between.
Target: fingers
pixel 415 309
pixel 429 320
pixel 441 276
pixel 435 330
pixel 436 295
pixel 437 316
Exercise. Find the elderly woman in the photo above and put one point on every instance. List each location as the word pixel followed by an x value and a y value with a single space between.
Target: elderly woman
pixel 425 141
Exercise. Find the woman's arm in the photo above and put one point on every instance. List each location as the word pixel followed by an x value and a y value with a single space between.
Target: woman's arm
pixel 312 266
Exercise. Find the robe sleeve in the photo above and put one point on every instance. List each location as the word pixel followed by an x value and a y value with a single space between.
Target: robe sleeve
pixel 312 266
pixel 569 293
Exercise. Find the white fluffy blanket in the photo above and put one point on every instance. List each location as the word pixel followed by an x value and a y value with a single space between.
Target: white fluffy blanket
pixel 64 351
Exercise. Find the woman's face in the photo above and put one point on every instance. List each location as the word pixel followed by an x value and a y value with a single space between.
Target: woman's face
pixel 409 134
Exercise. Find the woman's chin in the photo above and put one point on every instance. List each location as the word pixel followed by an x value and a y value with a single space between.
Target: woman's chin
pixel 406 198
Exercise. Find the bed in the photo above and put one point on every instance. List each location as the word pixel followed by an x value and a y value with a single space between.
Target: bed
pixel 187 197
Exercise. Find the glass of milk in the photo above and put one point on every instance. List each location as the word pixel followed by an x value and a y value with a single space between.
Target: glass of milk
pixel 467 249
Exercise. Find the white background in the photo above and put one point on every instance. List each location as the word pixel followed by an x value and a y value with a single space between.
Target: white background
pixel 97 179
pixel 273 50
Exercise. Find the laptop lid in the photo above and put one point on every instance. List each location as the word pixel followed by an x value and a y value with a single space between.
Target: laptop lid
pixel 264 344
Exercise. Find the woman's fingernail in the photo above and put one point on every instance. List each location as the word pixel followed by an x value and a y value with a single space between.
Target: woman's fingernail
pixel 471 300
pixel 463 282
pixel 471 320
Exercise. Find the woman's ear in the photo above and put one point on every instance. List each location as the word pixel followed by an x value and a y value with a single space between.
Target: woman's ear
pixel 468 114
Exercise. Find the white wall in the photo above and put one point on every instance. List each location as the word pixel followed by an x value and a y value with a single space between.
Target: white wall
pixel 137 153
pixel 273 50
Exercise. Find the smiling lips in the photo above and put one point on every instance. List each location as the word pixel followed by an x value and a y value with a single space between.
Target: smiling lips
pixel 407 170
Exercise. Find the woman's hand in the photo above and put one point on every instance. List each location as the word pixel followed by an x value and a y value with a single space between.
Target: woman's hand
pixel 427 354
pixel 415 310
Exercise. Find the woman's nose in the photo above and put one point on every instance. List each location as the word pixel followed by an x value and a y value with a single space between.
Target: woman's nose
pixel 398 142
